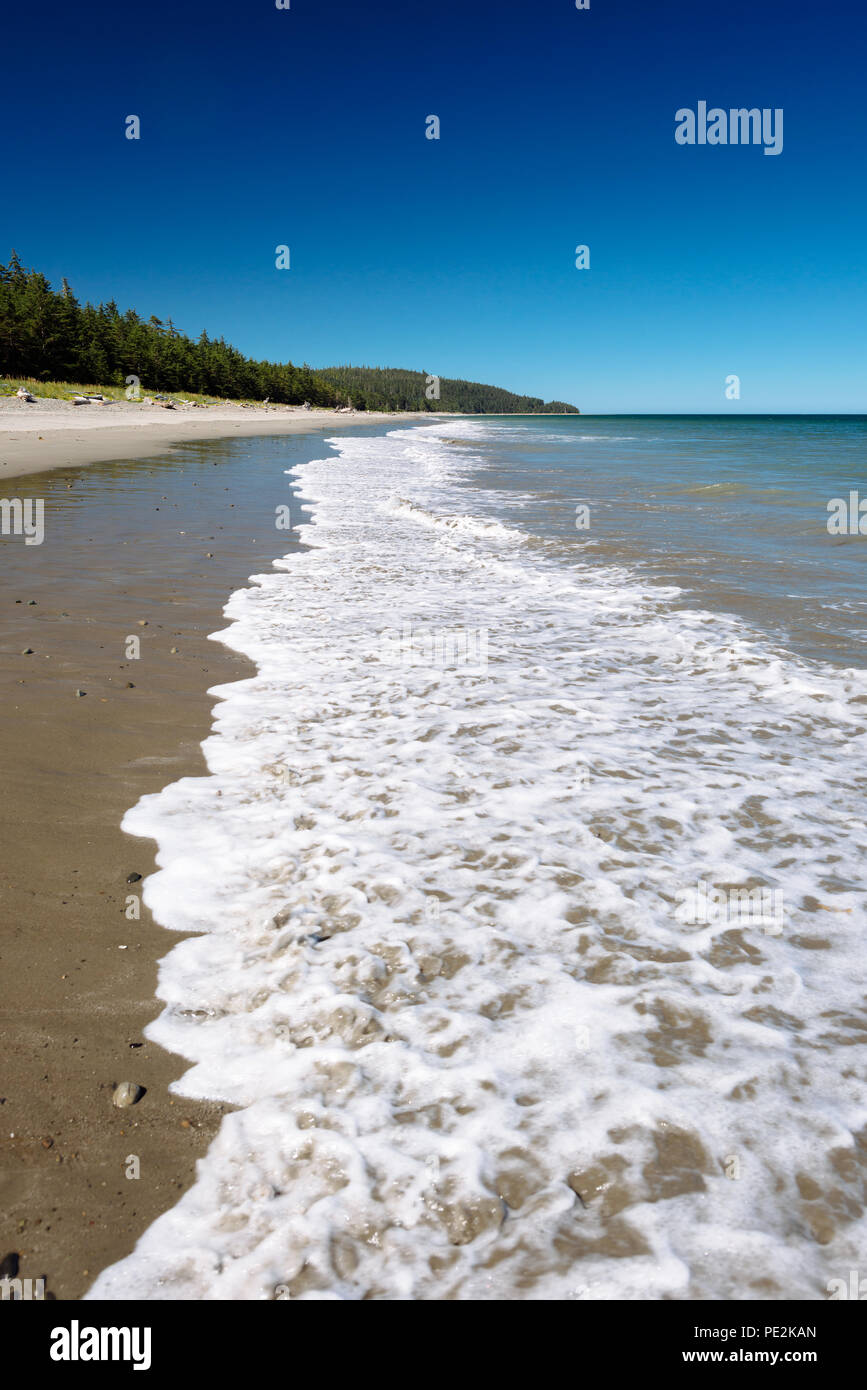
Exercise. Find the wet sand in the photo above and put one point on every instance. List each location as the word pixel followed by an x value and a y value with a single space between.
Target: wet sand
pixel 79 976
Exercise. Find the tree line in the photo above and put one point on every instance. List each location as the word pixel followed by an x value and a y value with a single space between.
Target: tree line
pixel 384 388
pixel 49 335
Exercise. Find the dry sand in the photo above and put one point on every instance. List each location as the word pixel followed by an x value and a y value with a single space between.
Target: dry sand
pixel 56 434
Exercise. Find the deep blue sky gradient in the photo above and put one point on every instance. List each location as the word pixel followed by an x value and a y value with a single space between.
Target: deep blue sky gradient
pixel 262 126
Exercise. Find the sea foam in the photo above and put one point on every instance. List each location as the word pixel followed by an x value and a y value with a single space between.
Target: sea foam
pixel 440 972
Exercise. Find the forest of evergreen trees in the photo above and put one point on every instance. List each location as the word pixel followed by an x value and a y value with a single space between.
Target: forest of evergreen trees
pixel 391 388
pixel 49 335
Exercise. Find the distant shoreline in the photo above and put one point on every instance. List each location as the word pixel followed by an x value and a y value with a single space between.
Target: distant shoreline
pixel 56 434
pixel 52 433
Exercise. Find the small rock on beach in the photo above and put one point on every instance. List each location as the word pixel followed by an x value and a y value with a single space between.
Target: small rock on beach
pixel 126 1094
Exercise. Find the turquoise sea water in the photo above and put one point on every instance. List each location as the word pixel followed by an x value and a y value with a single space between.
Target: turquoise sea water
pixel 732 508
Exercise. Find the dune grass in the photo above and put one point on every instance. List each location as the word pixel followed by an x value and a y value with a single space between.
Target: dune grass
pixel 65 390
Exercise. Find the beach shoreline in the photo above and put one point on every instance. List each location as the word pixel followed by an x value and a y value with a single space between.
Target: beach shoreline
pixel 150 550
pixel 48 434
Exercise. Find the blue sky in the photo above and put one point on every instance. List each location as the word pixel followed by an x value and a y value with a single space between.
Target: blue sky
pixel 306 127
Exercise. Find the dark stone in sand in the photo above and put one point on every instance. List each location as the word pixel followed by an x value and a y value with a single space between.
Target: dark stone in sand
pixel 133 878
pixel 9 1266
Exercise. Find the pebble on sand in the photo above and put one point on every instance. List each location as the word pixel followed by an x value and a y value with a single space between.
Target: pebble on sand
pixel 80 693
pixel 127 1093
pixel 133 878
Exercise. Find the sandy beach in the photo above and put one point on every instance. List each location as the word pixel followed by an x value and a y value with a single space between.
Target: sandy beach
pixel 56 434
pixel 151 549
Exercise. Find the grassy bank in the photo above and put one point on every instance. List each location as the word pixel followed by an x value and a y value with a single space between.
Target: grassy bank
pixel 65 390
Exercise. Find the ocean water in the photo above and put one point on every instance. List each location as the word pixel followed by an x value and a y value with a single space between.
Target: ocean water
pixel 528 877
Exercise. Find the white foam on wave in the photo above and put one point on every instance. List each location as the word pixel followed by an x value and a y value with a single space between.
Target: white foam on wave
pixel 465 525
pixel 416 1086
